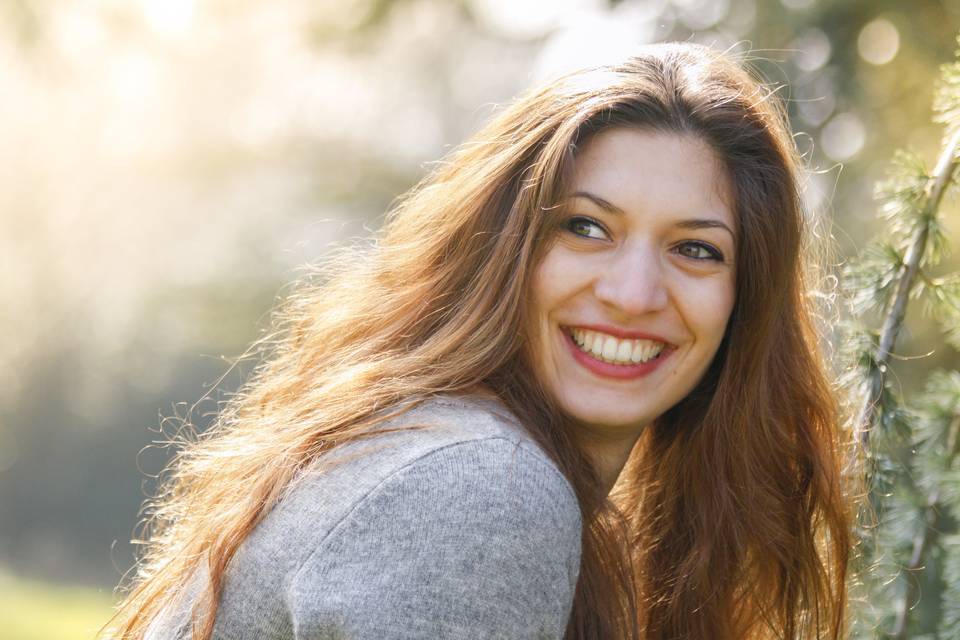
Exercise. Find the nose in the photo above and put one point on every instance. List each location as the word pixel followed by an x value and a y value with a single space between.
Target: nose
pixel 633 282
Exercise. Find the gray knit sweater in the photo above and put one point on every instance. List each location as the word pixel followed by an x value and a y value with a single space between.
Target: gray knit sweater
pixel 462 530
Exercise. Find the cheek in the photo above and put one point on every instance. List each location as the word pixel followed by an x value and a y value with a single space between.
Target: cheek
pixel 551 291
pixel 540 304
pixel 724 310
pixel 708 309
pixel 539 287
pixel 547 285
pixel 537 309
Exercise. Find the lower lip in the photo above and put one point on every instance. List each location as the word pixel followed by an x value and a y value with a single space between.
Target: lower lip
pixel 618 371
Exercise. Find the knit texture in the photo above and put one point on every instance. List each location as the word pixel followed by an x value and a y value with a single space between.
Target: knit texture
pixel 464 529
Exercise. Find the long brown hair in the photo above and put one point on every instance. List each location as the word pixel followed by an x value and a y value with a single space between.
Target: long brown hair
pixel 729 520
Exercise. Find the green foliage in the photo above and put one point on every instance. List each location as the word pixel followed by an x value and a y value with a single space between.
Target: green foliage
pixel 908 529
pixel 950 625
pixel 901 195
pixel 946 101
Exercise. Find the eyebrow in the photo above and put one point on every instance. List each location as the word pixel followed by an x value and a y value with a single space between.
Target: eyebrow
pixel 692 223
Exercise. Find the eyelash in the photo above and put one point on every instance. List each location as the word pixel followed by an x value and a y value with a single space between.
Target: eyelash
pixel 714 254
pixel 577 220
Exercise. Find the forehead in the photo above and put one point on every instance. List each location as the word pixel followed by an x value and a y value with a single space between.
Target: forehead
pixel 643 171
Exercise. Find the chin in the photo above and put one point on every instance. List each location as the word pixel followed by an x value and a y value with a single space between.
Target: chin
pixel 602 417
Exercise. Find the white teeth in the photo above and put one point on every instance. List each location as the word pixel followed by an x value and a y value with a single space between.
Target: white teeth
pixel 596 344
pixel 611 349
pixel 647 352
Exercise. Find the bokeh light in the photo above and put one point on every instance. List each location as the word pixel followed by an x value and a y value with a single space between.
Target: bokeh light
pixel 878 41
pixel 811 49
pixel 701 14
pixel 816 99
pixel 843 136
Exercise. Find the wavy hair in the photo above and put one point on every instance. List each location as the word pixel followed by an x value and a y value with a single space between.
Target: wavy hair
pixel 729 520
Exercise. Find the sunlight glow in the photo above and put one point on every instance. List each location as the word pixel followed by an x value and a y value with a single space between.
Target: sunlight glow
pixel 168 17
pixel 528 18
pixel 592 39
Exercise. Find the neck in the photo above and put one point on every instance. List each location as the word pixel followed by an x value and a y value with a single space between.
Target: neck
pixel 609 454
pixel 607 451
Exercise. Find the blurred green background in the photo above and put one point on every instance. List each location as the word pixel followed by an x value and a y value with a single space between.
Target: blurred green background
pixel 167 164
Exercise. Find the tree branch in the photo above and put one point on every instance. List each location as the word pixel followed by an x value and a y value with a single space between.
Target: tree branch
pixel 936 187
pixel 924 540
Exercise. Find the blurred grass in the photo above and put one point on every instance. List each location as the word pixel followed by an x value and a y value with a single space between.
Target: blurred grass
pixel 32 610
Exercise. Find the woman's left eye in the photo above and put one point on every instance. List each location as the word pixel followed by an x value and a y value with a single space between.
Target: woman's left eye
pixel 700 251
pixel 586 227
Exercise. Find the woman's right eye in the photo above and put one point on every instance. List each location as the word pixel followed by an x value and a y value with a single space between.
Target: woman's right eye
pixel 586 228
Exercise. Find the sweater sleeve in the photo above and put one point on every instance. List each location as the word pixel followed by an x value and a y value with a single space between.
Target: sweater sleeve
pixel 475 540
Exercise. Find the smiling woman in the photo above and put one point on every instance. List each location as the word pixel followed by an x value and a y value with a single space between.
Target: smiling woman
pixel 573 390
pixel 633 298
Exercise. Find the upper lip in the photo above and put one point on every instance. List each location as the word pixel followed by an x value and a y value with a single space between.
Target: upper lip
pixel 626 334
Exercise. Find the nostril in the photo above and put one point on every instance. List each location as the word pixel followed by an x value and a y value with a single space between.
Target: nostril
pixel 633 294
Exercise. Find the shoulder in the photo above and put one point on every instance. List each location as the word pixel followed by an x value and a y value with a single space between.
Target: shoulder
pixel 465 417
pixel 450 450
pixel 488 477
pixel 476 444
pixel 474 538
pixel 469 466
pixel 441 446
pixel 416 438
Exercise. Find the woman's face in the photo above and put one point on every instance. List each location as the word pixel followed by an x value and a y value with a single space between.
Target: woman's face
pixel 632 300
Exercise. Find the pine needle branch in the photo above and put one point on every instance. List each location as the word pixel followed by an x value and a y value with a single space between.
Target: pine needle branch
pixel 925 539
pixel 936 187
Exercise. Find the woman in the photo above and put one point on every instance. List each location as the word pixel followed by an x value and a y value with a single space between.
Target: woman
pixel 572 389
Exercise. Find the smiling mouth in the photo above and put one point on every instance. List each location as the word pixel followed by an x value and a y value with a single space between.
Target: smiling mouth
pixel 613 350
